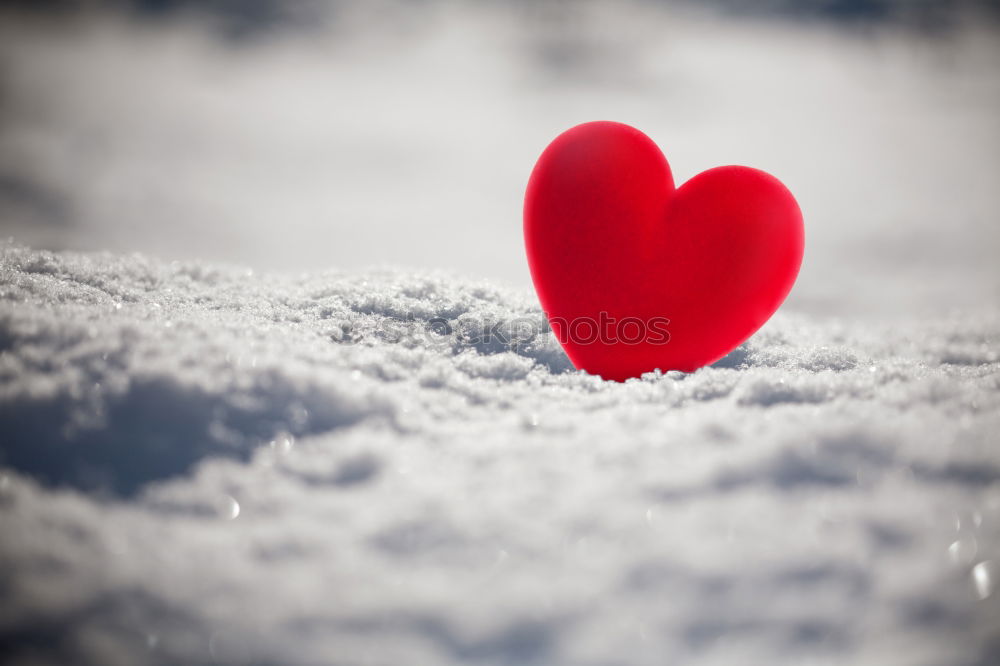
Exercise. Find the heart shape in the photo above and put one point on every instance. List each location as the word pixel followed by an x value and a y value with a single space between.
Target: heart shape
pixel 636 275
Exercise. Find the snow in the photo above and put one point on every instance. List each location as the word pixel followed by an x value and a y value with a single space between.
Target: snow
pixel 404 133
pixel 203 464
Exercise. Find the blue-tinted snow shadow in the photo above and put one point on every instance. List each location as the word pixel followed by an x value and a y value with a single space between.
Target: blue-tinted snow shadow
pixel 160 428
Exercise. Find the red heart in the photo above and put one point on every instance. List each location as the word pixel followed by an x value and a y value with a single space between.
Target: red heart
pixel 615 250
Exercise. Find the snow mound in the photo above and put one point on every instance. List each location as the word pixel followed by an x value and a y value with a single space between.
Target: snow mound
pixel 204 465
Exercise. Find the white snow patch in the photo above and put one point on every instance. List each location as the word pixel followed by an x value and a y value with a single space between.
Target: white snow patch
pixel 205 465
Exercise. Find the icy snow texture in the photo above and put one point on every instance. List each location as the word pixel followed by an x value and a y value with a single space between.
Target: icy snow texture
pixel 204 465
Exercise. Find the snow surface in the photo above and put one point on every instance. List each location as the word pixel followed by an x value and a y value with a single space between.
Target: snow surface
pixel 406 136
pixel 207 465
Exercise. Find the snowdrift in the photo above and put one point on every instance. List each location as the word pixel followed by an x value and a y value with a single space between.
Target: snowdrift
pixel 205 465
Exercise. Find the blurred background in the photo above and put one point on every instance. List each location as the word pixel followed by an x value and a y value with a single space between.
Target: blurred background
pixel 308 134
